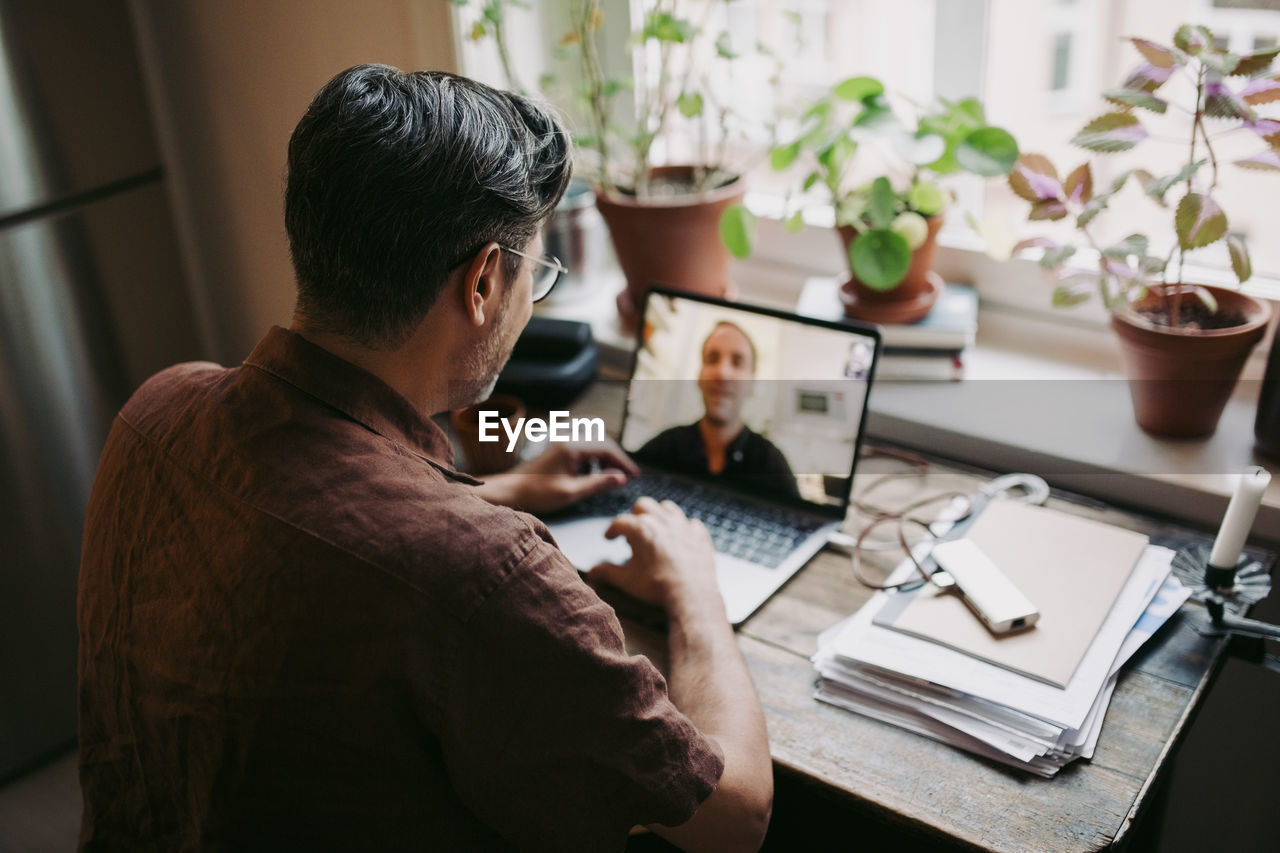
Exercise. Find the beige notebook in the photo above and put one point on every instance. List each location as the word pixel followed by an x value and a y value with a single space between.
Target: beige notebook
pixel 1071 568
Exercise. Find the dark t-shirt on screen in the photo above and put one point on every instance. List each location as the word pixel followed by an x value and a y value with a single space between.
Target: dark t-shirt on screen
pixel 751 460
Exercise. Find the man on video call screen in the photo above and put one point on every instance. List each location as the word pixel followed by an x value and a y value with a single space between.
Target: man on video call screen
pixel 720 443
pixel 754 402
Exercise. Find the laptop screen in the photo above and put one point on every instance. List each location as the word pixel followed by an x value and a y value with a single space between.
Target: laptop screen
pixel 754 399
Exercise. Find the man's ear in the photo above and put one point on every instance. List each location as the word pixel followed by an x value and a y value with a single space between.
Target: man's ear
pixel 481 284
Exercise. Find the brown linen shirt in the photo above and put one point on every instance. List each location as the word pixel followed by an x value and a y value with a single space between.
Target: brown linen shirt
pixel 301 629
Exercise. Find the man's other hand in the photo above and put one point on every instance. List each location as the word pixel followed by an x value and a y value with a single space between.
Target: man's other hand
pixel 563 474
pixel 672 564
pixel 672 560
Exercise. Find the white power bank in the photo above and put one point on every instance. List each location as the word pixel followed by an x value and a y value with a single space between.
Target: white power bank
pixel 988 591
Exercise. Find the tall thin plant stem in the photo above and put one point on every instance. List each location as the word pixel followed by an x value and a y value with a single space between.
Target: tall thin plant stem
pixel 504 54
pixel 1173 306
pixel 587 23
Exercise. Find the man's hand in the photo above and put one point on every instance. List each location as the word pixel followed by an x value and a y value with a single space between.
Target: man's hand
pixel 563 474
pixel 672 562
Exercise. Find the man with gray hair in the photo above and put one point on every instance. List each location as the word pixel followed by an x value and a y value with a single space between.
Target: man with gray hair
pixel 301 628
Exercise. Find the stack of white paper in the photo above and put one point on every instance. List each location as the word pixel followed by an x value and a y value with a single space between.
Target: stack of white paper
pixel 987 709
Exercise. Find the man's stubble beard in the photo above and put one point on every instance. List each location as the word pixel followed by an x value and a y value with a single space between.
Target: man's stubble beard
pixel 482 366
pixel 723 412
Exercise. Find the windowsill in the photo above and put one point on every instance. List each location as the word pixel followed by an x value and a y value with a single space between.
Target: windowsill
pixel 1040 395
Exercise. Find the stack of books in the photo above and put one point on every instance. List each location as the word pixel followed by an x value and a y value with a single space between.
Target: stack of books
pixel 918 658
pixel 930 349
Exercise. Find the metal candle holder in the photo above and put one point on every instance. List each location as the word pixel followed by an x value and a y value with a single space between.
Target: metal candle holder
pixel 1240 587
pixel 1225 593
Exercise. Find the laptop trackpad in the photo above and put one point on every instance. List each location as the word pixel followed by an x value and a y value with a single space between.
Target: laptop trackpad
pixel 743 585
pixel 582 541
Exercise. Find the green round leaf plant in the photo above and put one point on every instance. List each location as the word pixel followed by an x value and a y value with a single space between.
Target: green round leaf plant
pixel 880 258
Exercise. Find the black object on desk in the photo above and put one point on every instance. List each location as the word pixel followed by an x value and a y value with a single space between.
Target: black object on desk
pixel 553 362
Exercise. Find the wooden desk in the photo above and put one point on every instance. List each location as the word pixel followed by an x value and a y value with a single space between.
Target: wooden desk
pixel 885 774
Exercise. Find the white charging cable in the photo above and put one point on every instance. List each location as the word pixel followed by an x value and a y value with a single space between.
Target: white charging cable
pixel 1034 490
pixel 1023 488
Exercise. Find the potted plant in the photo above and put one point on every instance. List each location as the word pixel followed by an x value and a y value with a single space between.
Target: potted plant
pixel 889 225
pixel 663 219
pixel 1183 344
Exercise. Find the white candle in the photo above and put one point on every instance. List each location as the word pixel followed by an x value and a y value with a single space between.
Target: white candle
pixel 1239 518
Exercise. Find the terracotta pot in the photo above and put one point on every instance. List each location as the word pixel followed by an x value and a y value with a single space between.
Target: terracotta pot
pixel 488 457
pixel 910 300
pixel 673 241
pixel 1179 380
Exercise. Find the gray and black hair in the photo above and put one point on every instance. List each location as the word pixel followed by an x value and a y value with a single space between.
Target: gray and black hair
pixel 395 179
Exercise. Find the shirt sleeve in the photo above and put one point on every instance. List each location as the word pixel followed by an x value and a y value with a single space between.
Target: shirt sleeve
pixel 555 736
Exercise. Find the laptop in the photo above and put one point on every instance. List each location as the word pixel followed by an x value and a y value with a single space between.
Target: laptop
pixel 774 403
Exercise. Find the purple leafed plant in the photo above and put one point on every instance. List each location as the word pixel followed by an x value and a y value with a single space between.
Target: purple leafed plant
pixel 1228 88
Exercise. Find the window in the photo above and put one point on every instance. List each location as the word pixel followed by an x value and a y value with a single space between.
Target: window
pixel 1039 67
pixel 1061 61
pixel 1242 25
pixel 1273 5
pixel 1044 126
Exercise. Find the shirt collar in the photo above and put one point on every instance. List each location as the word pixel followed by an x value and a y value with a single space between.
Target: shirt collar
pixel 356 393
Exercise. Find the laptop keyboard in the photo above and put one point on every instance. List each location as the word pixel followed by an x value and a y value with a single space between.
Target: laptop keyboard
pixel 760 534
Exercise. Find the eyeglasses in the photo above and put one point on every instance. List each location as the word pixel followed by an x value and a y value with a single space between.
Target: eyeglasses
pixel 543 279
